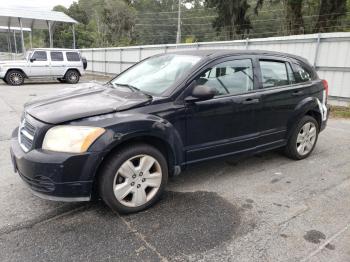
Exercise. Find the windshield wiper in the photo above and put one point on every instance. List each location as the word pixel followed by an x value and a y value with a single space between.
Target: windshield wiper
pixel 132 88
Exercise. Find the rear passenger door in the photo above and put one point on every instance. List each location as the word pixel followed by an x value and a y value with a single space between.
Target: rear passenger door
pixel 280 94
pixel 58 65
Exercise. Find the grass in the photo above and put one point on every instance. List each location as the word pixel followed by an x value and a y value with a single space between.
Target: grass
pixel 340 111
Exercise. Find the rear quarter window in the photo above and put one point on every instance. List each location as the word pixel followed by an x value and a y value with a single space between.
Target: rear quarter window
pixel 73 56
pixel 302 74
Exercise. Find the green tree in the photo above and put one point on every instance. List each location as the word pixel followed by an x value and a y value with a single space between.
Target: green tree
pixel 232 17
pixel 329 15
pixel 118 18
pixel 293 11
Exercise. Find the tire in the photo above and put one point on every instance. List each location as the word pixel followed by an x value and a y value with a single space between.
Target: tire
pixel 72 77
pixel 61 80
pixel 303 139
pixel 139 188
pixel 14 78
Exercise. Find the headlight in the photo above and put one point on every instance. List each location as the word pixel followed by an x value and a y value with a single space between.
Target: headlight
pixel 71 139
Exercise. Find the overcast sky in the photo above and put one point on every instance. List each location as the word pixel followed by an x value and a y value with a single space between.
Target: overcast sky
pixel 41 4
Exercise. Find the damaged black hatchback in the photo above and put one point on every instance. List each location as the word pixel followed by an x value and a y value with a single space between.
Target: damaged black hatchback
pixel 120 141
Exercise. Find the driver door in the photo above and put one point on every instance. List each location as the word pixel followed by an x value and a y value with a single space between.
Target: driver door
pixel 225 124
pixel 39 64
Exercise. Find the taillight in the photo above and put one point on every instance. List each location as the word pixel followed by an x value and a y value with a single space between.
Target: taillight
pixel 325 85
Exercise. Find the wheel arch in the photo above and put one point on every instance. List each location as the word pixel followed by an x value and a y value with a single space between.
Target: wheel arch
pixel 158 142
pixel 17 69
pixel 72 68
pixel 308 106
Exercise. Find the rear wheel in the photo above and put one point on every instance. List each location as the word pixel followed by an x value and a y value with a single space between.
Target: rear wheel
pixel 133 178
pixel 72 77
pixel 303 139
pixel 14 78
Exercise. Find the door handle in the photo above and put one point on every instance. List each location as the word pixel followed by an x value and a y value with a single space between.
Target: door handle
pixel 298 93
pixel 249 101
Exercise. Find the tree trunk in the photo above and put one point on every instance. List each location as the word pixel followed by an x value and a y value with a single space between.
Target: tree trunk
pixel 329 14
pixel 294 16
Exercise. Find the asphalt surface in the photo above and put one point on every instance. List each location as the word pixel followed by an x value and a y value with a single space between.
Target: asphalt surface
pixel 262 208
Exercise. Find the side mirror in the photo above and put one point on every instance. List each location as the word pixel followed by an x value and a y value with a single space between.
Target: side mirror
pixel 32 60
pixel 201 93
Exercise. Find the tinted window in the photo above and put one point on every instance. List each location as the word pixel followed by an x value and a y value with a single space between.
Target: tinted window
pixel 73 56
pixel 56 56
pixel 232 77
pixel 39 56
pixel 301 74
pixel 274 73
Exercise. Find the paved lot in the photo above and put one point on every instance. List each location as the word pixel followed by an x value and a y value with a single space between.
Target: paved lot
pixel 264 208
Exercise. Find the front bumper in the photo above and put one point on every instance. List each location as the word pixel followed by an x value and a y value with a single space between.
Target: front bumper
pixel 56 176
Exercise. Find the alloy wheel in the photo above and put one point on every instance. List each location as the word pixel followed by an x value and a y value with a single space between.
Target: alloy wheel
pixel 16 78
pixel 137 180
pixel 306 138
pixel 73 77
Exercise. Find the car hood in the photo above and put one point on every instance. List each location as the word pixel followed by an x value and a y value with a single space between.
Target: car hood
pixel 13 62
pixel 86 101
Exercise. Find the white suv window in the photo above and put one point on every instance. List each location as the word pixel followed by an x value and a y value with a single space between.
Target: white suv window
pixel 40 56
pixel 56 56
pixel 72 56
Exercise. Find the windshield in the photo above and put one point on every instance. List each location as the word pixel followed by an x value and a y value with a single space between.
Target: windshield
pixel 156 74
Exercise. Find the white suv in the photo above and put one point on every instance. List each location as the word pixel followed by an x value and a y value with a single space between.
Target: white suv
pixel 66 65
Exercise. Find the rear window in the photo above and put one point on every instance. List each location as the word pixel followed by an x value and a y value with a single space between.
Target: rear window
pixel 56 56
pixel 73 56
pixel 40 56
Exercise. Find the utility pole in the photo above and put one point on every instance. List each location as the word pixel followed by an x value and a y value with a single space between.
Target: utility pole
pixel 178 35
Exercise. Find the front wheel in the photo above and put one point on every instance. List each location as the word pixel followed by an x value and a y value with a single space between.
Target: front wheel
pixel 303 139
pixel 133 178
pixel 14 78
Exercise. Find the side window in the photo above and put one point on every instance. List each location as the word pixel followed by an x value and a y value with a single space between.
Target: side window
pixel 232 77
pixel 40 56
pixel 56 56
pixel 72 56
pixel 301 74
pixel 275 73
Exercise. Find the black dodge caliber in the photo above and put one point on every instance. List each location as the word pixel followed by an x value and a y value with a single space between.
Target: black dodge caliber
pixel 120 141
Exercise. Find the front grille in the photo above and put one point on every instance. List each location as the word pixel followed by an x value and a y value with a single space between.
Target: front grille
pixel 26 134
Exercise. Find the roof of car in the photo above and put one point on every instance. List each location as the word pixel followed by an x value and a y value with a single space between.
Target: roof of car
pixel 213 53
pixel 54 49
